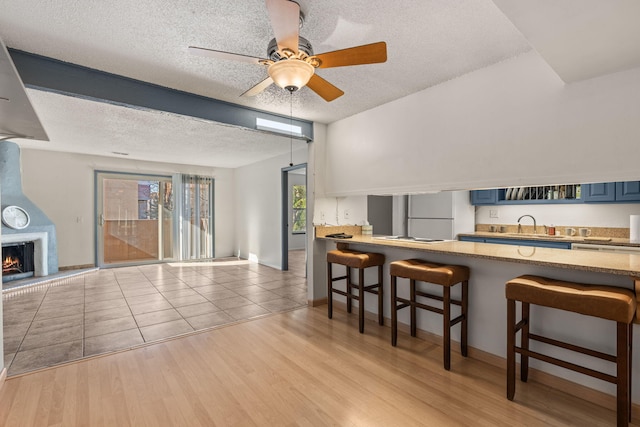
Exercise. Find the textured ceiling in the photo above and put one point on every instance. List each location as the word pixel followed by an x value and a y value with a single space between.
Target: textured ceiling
pixel 428 42
pixel 102 129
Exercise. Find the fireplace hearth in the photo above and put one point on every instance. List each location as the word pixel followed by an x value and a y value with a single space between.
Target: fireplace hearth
pixel 18 261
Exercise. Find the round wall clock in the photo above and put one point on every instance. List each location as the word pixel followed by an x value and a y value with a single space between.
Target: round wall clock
pixel 15 217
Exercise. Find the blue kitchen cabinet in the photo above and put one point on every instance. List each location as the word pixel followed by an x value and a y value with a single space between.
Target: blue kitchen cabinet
pixel 628 191
pixel 600 192
pixel 484 197
pixel 517 242
pixel 608 192
pixel 472 239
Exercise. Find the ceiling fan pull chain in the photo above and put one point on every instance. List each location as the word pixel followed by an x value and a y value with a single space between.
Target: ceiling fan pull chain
pixel 290 128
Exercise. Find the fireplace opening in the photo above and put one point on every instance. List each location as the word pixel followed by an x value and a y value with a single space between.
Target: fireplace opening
pixel 17 261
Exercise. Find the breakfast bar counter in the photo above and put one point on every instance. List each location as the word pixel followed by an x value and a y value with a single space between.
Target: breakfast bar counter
pixel 599 262
pixel 491 266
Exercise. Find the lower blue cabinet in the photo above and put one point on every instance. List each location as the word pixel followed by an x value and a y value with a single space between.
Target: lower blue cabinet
pixel 517 242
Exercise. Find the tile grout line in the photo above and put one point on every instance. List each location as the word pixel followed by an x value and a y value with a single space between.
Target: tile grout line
pixel 244 276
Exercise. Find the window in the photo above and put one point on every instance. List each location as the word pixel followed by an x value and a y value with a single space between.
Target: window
pixel 299 204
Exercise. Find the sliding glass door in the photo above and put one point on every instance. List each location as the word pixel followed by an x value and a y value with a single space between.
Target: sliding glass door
pixel 135 221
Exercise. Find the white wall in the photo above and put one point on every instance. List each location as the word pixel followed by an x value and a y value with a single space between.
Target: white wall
pixel 340 210
pixel 258 202
pixel 513 123
pixel 583 214
pixel 62 185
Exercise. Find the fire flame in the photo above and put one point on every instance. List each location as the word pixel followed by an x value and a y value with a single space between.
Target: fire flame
pixel 10 263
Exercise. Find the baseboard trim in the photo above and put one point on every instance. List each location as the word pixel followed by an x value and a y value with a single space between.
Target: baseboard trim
pixel 578 390
pixel 76 267
pixel 318 302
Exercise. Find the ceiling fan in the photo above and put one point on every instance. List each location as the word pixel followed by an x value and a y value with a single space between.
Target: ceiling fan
pixel 291 63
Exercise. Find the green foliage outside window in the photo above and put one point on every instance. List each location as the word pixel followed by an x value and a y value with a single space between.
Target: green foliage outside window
pixel 299 202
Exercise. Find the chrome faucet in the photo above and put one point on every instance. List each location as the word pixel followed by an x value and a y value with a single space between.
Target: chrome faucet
pixel 520 226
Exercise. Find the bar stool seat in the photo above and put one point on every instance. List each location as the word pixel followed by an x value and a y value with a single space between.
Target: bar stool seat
pixel 360 261
pixel 606 302
pixel 439 274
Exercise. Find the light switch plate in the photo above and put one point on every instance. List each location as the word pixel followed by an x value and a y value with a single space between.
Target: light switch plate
pixel 493 213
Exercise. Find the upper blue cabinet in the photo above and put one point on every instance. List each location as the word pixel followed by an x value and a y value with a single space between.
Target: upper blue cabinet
pixel 612 192
pixel 602 192
pixel 606 192
pixel 628 191
pixel 484 197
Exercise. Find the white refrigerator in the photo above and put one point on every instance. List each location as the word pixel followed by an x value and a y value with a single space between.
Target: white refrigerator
pixel 440 215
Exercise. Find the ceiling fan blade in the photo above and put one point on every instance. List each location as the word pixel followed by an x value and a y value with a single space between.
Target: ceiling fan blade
pixel 259 87
pixel 201 51
pixel 366 54
pixel 285 21
pixel 323 88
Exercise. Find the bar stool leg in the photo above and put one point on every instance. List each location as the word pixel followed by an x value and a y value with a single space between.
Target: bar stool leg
pixel 446 301
pixel 361 299
pixel 330 290
pixel 465 318
pixel 394 311
pixel 412 308
pixel 349 285
pixel 622 374
pixel 380 301
pixel 511 353
pixel 630 326
pixel 524 343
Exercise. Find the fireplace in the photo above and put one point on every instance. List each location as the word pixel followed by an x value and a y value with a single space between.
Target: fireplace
pixel 18 261
pixel 40 233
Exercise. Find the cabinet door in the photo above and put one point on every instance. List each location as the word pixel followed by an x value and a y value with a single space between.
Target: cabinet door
pixel 601 192
pixel 628 191
pixel 471 239
pixel 484 197
pixel 535 243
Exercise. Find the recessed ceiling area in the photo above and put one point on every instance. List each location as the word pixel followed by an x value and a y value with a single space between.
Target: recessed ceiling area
pixel 428 43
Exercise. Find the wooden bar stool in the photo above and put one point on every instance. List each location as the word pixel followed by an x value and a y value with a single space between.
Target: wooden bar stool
pixel 359 260
pixel 439 274
pixel 606 302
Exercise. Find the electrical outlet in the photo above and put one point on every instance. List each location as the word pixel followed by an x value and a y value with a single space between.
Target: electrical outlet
pixel 493 213
pixel 321 216
pixel 346 214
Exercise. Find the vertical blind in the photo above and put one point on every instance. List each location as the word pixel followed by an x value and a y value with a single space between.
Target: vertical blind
pixel 195 216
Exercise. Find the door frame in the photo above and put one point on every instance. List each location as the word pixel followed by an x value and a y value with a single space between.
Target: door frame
pixel 285 212
pixel 99 251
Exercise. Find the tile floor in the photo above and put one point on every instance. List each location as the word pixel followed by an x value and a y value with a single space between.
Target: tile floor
pixel 115 309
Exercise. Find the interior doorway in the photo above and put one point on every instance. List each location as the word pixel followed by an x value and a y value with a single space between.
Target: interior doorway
pixel 294 217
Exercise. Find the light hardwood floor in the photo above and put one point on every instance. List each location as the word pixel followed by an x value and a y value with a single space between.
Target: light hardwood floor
pixel 293 368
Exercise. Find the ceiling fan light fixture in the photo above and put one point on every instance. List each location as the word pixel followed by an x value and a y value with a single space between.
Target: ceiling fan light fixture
pixel 291 74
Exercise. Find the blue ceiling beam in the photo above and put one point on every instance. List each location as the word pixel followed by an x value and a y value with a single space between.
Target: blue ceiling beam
pixel 48 74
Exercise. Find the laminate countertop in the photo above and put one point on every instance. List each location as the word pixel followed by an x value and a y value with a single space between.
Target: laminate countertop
pixel 601 262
